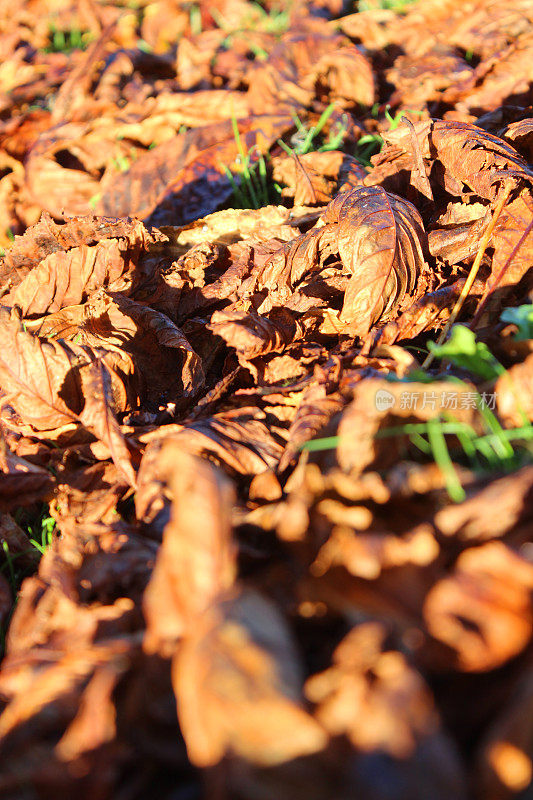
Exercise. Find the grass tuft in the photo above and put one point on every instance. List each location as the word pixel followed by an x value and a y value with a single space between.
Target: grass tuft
pixel 388 5
pixel 495 450
pixel 40 528
pixel 273 21
pixel 303 141
pixel 45 529
pixel 66 41
pixel 249 181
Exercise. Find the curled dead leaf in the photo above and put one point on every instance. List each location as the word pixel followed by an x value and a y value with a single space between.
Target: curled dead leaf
pixel 237 688
pixel 484 609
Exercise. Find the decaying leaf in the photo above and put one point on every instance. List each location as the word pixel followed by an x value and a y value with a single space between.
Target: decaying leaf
pixel 189 575
pixel 363 675
pixel 69 273
pixel 97 416
pixel 468 155
pixel 237 689
pixel 488 592
pixel 378 241
pixel 41 377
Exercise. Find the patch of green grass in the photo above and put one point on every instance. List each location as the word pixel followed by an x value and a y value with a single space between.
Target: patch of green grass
pixel 389 5
pixel 121 163
pixel 522 317
pixel 93 201
pixel 496 449
pixel 195 19
pixel 45 104
pixel 274 21
pixel 10 566
pixel 304 140
pixel 65 41
pixel 464 351
pixel 307 139
pixel 249 182
pixel 368 146
pixel 439 451
pixel 259 52
pixel 144 47
pixel 371 144
pixel 38 525
pixel 44 529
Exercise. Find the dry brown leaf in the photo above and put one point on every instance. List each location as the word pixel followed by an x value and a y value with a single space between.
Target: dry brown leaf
pixel 21 481
pixel 98 417
pixel 380 242
pixel 314 178
pixel 237 688
pixel 190 179
pixel 508 234
pixel 41 377
pixel 475 519
pixel 68 276
pixel 514 394
pixel 366 555
pixel 468 155
pixel 195 563
pixel 484 609
pixel 520 133
pixel 356 695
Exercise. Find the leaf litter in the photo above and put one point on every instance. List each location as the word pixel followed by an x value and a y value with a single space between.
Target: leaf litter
pixel 266 521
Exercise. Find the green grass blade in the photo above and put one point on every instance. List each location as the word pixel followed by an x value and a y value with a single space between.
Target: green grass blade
pixel 443 460
pixel 298 122
pixel 466 441
pixel 306 146
pixel 288 150
pixel 501 446
pixel 263 177
pixel 239 196
pixel 9 561
pixel 327 443
pixel 418 440
pixel 244 162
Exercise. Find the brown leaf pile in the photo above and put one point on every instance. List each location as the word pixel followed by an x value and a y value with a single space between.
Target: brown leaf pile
pixel 222 613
